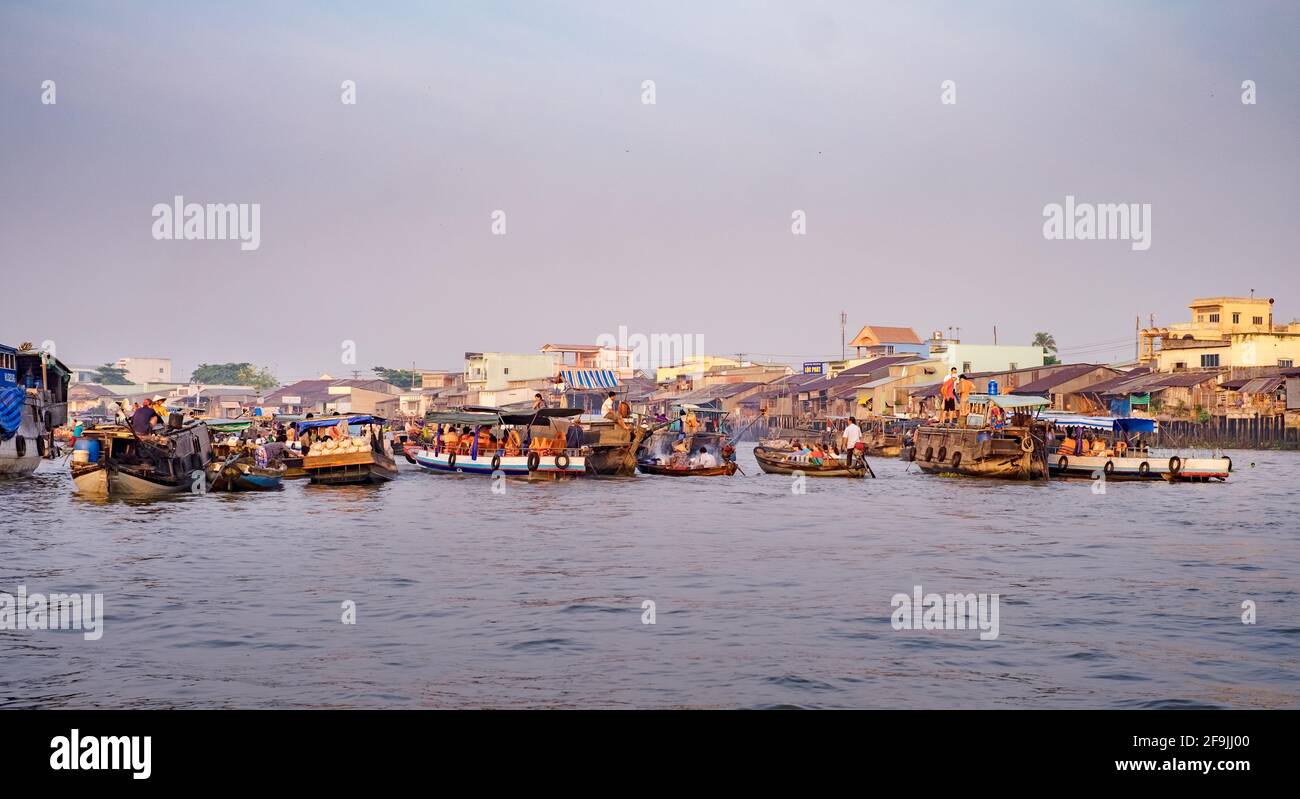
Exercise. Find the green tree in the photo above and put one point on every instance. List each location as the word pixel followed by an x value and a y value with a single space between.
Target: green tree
pixel 1048 342
pixel 402 378
pixel 110 375
pixel 234 374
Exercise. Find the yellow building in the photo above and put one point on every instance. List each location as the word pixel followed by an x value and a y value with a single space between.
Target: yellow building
pixel 1224 332
pixel 693 366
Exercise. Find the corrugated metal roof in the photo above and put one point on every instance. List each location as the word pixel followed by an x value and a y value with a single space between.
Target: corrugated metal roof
pixel 1044 385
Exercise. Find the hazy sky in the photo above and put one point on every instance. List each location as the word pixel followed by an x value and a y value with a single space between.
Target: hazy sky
pixel 671 218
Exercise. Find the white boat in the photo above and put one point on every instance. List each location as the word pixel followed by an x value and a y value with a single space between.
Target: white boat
pixel 546 461
pixel 1129 459
pixel 33 401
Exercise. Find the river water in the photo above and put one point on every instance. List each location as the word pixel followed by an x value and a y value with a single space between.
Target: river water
pixel 763 597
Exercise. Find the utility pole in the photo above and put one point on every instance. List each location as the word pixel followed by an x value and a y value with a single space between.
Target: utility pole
pixel 844 320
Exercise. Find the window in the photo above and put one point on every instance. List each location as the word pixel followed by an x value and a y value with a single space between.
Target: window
pixel 506 370
pixel 965 366
pixel 1259 320
pixel 1214 317
pixel 1209 361
pixel 1013 366
pixel 1200 317
pixel 1236 318
pixel 1285 363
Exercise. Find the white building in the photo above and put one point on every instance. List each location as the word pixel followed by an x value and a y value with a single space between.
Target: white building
pixel 146 369
pixel 984 357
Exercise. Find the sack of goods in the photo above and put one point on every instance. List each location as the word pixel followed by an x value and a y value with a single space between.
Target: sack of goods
pixel 346 446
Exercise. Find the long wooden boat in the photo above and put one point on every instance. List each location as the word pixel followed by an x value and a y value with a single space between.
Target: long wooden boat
pixel 1015 449
pixel 659 455
pixel 127 466
pixel 775 461
pixel 665 470
pixel 348 459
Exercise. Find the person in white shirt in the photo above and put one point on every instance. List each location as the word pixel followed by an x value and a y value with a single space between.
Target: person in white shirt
pixel 608 407
pixel 704 460
pixel 851 436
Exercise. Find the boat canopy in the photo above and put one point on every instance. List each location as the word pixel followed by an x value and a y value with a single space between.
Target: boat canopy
pixel 331 421
pixel 479 415
pixel 1127 424
pixel 589 379
pixel 1009 401
pixel 229 425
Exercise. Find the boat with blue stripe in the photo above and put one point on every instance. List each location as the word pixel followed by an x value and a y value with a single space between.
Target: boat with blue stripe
pixel 490 441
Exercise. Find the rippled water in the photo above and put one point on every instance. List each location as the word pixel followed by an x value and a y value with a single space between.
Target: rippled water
pixel 763 597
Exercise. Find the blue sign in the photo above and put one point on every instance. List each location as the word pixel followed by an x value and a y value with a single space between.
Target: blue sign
pixel 814 368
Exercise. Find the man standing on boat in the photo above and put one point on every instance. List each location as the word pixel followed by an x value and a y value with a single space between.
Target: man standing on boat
pixel 851 436
pixel 964 388
pixel 948 391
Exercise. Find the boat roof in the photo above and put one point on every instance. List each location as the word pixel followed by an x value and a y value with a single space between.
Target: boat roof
pixel 330 421
pixel 1122 424
pixel 482 414
pixel 1010 401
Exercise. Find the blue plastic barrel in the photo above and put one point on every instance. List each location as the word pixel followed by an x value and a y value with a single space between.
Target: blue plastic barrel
pixel 993 388
pixel 91 447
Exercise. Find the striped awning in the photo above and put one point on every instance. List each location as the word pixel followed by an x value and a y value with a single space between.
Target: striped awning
pixel 589 379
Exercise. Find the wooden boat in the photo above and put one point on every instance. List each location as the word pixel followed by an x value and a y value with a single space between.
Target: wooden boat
pixel 777 461
pixel 660 454
pixel 33 402
pixel 883 437
pixel 356 458
pixel 1125 455
pixel 1016 450
pixel 539 457
pixel 124 465
pixel 293 466
pixel 243 474
pixel 727 469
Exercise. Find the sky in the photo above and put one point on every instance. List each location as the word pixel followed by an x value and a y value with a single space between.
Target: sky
pixel 376 217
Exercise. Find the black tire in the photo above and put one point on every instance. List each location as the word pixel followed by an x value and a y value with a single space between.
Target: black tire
pixel 562 461
pixel 1109 468
pixel 534 460
pixel 911 454
pixel 496 462
pixel 956 460
pixel 943 454
pixel 1175 465
pixel 20 446
pixel 1063 463
pixel 40 446
pixel 929 453
pixel 1144 468
pixel 451 461
pixel 1229 464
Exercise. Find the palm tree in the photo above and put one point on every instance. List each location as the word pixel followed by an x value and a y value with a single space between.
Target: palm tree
pixel 1045 340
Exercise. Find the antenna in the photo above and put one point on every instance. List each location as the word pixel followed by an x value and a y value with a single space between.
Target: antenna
pixel 844 320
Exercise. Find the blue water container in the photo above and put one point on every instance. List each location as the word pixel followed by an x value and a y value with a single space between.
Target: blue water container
pixel 91 447
pixel 993 388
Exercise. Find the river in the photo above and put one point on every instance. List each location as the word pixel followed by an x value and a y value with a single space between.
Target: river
pixel 763 596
